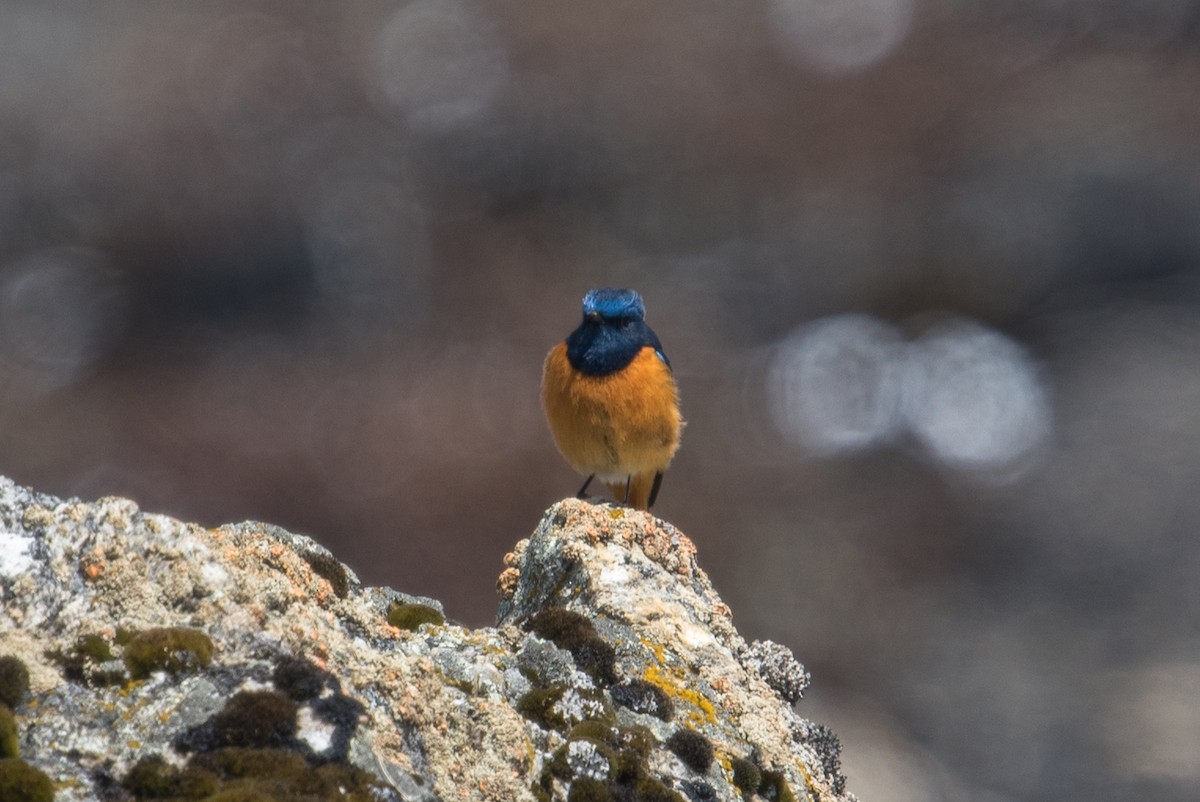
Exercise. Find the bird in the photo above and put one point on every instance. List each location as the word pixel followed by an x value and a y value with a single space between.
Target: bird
pixel 611 400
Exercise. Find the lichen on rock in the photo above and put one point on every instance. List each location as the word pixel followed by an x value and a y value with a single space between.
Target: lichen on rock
pixel 162 655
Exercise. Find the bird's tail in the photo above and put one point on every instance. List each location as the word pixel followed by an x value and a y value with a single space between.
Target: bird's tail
pixel 643 489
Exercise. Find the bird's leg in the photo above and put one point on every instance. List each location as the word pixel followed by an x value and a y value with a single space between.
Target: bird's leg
pixel 628 484
pixel 583 489
pixel 654 489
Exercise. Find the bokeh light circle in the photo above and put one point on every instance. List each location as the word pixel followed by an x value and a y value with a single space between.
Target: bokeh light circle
pixel 440 63
pixel 836 383
pixel 60 310
pixel 845 36
pixel 973 397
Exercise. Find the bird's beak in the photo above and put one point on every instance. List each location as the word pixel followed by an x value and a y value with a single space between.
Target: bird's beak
pixel 592 317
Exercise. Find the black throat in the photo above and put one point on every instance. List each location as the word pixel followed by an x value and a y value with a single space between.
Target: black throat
pixel 602 347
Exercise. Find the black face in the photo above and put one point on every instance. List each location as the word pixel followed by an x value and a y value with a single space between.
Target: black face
pixel 612 333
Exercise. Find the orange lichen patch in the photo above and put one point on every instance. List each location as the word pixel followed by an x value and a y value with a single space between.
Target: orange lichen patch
pixel 258 613
pixel 702 711
pixel 808 781
pixel 92 565
pixel 506 585
pixel 659 653
pixel 324 590
pixel 320 653
pixel 670 549
pixel 390 631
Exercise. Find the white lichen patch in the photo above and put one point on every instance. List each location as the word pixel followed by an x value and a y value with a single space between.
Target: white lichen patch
pixel 314 732
pixel 613 575
pixel 695 637
pixel 214 575
pixel 586 760
pixel 575 707
pixel 15 558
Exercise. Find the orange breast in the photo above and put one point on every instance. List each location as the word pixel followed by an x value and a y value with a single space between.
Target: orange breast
pixel 625 423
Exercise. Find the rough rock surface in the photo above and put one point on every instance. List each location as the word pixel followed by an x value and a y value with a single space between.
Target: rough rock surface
pixel 610 641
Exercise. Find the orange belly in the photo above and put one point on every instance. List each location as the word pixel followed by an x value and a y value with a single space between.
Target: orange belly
pixel 614 426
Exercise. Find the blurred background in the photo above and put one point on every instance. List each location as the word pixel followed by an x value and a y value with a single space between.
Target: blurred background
pixel 928 272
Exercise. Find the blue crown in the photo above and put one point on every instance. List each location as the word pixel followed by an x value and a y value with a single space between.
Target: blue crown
pixel 613 304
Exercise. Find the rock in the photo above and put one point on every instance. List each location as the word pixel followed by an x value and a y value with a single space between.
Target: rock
pixel 778 667
pixel 264 664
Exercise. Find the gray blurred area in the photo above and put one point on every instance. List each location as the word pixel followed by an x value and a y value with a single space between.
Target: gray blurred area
pixel 928 272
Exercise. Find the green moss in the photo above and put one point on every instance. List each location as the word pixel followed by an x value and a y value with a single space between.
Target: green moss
pixel 249 792
pixel 14 681
pixel 600 731
pixel 562 627
pixel 538 706
pixel 603 749
pixel 412 616
pixel 19 780
pixel 557 766
pixel 575 633
pixel 641 696
pixel 233 763
pixel 170 649
pixel 255 775
pixel 625 749
pixel 631 767
pixel 541 706
pixel 10 744
pixel 153 778
pixel 692 748
pixel 649 789
pixel 196 783
pixel 326 566
pixel 277 774
pixel 640 740
pixel 637 739
pixel 94 647
pixel 585 789
pixel 774 788
pixel 632 777
pixel 81 663
pixel 298 678
pixel 344 775
pixel 255 719
pixel 560 767
pixel 596 658
pixel 746 775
